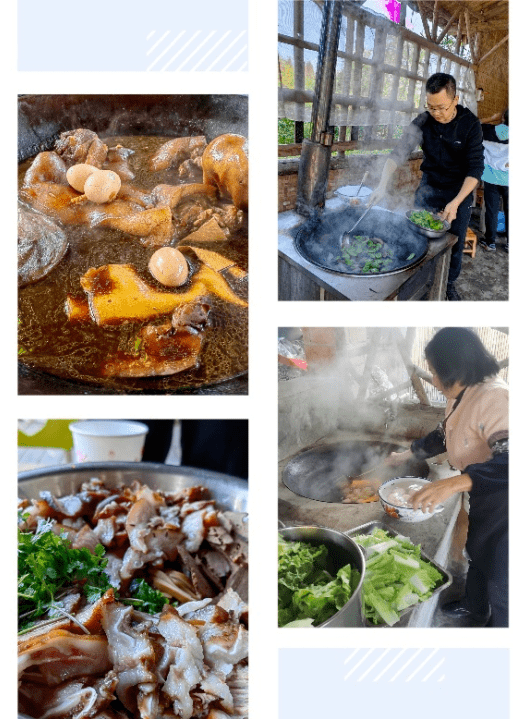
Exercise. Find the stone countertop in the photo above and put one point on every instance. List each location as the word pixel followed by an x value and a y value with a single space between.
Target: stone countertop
pixel 434 534
pixel 343 286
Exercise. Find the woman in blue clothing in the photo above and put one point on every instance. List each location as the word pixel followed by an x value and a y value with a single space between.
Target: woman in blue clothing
pixel 495 178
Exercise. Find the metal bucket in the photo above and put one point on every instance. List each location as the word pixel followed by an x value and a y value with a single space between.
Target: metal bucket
pixel 342 550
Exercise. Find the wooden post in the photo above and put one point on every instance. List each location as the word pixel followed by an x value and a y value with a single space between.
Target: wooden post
pixel 447 27
pixel 409 365
pixel 424 20
pixel 435 22
pixel 469 37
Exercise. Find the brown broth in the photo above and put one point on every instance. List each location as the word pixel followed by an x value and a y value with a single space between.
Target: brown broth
pixel 48 341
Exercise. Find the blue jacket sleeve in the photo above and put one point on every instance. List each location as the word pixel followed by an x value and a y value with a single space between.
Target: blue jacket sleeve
pixel 491 476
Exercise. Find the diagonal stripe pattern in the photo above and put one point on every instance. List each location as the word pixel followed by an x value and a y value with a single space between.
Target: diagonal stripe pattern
pixel 404 665
pixel 200 50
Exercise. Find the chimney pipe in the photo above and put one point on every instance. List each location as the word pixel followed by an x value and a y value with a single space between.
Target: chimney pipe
pixel 314 164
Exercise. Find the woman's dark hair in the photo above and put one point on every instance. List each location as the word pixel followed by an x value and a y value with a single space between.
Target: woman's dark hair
pixel 439 81
pixel 505 116
pixel 457 354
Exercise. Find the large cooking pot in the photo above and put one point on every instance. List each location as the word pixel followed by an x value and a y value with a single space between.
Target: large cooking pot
pixel 41 118
pixel 321 471
pixel 341 551
pixel 228 492
pixel 318 240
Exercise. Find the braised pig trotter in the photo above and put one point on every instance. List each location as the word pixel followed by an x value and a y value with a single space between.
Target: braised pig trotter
pixel 176 151
pixel 225 165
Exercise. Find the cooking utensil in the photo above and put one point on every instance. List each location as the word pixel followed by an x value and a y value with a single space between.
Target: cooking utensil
pixel 318 241
pixel 342 550
pixel 349 232
pixel 369 471
pixel 228 492
pixel 431 234
pixel 362 183
pixel 405 514
pixel 321 471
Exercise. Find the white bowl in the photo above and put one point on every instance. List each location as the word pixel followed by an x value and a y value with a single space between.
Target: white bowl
pixel 399 511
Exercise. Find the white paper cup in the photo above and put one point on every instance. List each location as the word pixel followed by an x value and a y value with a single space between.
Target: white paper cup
pixel 108 440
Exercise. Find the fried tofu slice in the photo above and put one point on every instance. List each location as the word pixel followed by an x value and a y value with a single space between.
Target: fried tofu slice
pixel 116 294
pixel 210 231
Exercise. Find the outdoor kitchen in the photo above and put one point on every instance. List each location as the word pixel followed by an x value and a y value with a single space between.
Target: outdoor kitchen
pixel 350 82
pixel 348 399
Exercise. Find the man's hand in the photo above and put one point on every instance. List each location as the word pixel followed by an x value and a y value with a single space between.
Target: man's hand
pixel 377 195
pixel 450 211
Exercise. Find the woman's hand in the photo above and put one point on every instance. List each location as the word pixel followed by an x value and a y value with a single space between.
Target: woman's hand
pixel 396 458
pixel 439 491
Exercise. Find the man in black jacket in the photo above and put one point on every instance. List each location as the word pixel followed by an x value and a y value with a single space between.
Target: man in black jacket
pixel 450 137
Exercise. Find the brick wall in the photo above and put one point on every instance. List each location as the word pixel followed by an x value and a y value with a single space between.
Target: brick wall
pixel 406 179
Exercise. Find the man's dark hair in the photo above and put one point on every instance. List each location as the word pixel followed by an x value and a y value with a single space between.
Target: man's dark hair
pixel 439 81
pixel 505 117
pixel 457 354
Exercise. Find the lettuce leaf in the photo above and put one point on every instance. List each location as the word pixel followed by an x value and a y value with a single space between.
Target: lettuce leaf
pixel 306 589
pixel 396 576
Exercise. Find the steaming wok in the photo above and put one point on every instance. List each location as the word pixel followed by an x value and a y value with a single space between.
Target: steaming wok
pixel 321 472
pixel 41 119
pixel 318 240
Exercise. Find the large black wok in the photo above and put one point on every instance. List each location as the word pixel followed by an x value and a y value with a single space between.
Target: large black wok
pixel 42 118
pixel 319 239
pixel 320 472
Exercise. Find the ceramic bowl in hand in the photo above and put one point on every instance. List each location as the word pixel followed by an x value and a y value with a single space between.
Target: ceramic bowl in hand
pixel 395 498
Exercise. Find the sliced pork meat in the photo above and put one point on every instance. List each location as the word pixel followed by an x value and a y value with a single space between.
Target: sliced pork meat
pixel 110 661
pixel 131 652
pixel 60 655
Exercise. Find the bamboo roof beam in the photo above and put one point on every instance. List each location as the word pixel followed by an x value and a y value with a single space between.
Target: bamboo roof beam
pixel 435 22
pixel 495 47
pixel 453 17
pixel 424 20
pixel 469 37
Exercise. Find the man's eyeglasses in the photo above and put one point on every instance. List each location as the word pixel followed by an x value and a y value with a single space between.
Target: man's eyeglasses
pixel 438 109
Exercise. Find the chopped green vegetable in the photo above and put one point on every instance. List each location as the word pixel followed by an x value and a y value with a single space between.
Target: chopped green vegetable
pixel 47 564
pixel 145 597
pixel 366 255
pixel 396 576
pixel 306 589
pixel 48 568
pixel 426 220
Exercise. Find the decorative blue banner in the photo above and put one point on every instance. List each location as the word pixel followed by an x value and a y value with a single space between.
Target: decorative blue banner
pixel 157 36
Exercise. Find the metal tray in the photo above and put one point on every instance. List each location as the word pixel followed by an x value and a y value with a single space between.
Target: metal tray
pixel 229 492
pixel 368 528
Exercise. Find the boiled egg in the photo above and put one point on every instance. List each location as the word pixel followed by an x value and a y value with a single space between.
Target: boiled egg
pixel 169 266
pixel 78 174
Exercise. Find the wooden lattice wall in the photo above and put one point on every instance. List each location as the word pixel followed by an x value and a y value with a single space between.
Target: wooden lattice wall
pixel 380 83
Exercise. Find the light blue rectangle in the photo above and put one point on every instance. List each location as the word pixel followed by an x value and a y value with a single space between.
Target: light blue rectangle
pixel 160 35
pixel 395 683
